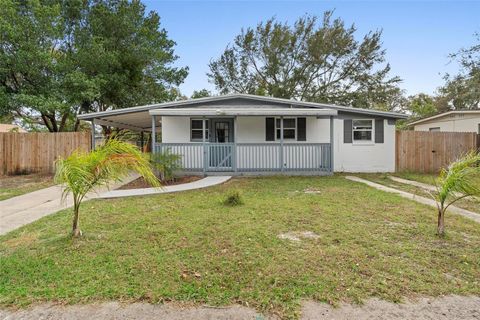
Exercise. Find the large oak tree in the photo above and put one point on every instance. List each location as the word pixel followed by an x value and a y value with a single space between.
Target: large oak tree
pixel 314 59
pixel 59 58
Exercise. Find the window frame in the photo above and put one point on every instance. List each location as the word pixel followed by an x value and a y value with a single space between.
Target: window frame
pixel 434 129
pixel 202 129
pixel 372 131
pixel 295 129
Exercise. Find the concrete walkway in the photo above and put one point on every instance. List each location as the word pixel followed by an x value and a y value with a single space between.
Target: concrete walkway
pixel 24 209
pixel 199 184
pixel 424 186
pixel 430 202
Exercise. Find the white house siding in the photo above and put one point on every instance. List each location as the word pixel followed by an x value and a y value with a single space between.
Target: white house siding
pixel 372 157
pixel 175 129
pixel 249 130
pixel 453 123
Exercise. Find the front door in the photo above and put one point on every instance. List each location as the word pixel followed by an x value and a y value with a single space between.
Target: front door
pixel 221 144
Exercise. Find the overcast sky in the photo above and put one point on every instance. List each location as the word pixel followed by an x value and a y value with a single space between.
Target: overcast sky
pixel 418 36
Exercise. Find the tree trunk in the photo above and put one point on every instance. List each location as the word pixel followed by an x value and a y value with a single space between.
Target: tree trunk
pixel 441 222
pixel 76 232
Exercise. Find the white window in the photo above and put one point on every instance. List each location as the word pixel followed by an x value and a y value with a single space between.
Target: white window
pixel 435 129
pixel 196 129
pixel 362 130
pixel 289 128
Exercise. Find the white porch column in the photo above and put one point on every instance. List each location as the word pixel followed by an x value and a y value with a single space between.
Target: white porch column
pixel 93 134
pixel 331 143
pixel 281 142
pixel 205 158
pixel 234 160
pixel 154 130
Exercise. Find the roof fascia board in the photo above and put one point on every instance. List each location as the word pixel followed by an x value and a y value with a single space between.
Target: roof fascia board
pixel 243 112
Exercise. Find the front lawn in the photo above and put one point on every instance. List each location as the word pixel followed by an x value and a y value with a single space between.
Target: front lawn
pixel 190 247
pixel 12 186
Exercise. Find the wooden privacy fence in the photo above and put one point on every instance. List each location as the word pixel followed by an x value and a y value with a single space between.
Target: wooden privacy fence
pixel 424 151
pixel 37 152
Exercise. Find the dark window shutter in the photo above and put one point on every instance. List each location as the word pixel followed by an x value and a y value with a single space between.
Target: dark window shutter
pixel 269 129
pixel 379 130
pixel 301 129
pixel 347 131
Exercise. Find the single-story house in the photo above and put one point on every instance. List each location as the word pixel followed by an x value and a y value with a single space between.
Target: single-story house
pixel 249 134
pixel 451 121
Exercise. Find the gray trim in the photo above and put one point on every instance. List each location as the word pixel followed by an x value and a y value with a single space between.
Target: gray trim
pixel 379 130
pixel 301 129
pixel 347 131
pixel 286 102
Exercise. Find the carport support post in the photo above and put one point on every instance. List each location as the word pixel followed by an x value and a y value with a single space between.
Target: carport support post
pixel 281 143
pixel 154 118
pixel 141 140
pixel 93 134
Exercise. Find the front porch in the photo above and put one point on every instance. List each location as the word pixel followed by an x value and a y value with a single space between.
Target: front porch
pixel 243 158
pixel 243 141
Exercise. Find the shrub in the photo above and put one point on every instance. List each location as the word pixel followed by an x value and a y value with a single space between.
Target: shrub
pixel 234 198
pixel 166 163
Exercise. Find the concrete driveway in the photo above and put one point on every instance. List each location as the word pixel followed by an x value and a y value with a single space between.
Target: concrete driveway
pixel 21 210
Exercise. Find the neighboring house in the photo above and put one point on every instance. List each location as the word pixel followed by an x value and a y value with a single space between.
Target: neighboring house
pixel 451 121
pixel 10 128
pixel 243 134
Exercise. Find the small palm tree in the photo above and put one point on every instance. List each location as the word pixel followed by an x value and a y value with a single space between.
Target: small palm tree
pixel 82 172
pixel 458 181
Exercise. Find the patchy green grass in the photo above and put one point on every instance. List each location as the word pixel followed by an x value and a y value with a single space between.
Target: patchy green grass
pixel 471 203
pixel 12 186
pixel 190 247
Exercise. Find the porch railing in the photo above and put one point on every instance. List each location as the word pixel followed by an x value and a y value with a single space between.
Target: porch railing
pixel 251 157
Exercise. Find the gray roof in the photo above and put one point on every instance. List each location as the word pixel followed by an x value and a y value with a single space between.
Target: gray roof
pixel 261 99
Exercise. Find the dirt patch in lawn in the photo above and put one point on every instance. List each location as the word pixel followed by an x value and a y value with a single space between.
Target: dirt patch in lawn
pixel 449 307
pixel 140 183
